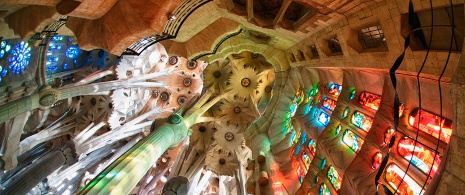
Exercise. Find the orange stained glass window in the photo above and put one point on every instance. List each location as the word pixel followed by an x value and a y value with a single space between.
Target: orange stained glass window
pixel 362 121
pixel 388 135
pixel 420 156
pixel 370 100
pixel 431 124
pixel 394 175
pixel 376 161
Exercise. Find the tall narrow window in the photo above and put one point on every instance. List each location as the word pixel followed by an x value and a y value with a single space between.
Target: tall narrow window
pixel 420 156
pixel 315 54
pixel 301 173
pixel 352 94
pixel 345 113
pixel 376 161
pixel 329 104
pixel 388 135
pixel 362 121
pixel 307 160
pixel 431 124
pixel 334 177
pixel 334 89
pixel 352 140
pixel 334 46
pixel 394 176
pixel 370 100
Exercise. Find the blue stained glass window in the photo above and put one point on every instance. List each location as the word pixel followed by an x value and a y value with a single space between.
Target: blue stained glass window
pixel 4 72
pixel 3 44
pixel 53 59
pixel 323 118
pixel 72 52
pixel 324 190
pixel 65 66
pixel 7 48
pixel 352 94
pixel 2 53
pixel 57 38
pixel 54 47
pixel 19 58
pixel 297 149
pixel 1 68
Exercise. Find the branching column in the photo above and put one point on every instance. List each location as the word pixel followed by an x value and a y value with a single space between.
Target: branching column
pixel 124 174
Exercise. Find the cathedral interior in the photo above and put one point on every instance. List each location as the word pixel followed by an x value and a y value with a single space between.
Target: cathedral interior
pixel 232 97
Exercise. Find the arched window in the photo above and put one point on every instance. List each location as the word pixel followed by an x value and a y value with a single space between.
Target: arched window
pixel 301 173
pixel 307 160
pixel 394 175
pixel 431 124
pixel 422 157
pixel 352 140
pixel 334 178
pixel 334 89
pixel 362 121
pixel 370 100
pixel 376 161
pixel 329 104
pixel 324 190
pixel 323 118
pixel 338 129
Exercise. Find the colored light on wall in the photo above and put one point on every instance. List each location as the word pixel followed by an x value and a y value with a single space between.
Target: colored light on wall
pixel 345 113
pixel 431 124
pixel 388 135
pixel 312 148
pixel 324 190
pixel 334 178
pixel 293 109
pixel 323 118
pixel 394 176
pixel 307 160
pixel 376 161
pixel 352 94
pixel 19 58
pixel 334 89
pixel 301 173
pixel 329 104
pixel 369 100
pixel 420 156
pixel 362 121
pixel 352 140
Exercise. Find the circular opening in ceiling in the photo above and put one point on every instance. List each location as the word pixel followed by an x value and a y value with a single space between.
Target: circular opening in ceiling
pixel 217 74
pixel 93 101
pixel 182 100
pixel 222 161
pixel 245 82
pixel 237 110
pixel 187 82
pixel 268 89
pixel 202 129
pixel 173 60
pixel 164 96
pixel 191 64
pixel 229 136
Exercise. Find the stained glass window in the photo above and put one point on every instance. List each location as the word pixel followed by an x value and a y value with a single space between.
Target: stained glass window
pixel 376 161
pixel 323 163
pixel 312 148
pixel 394 175
pixel 352 140
pixel 431 124
pixel 3 44
pixel 293 109
pixel 323 118
pixel 362 121
pixel 334 89
pixel 345 113
pixel 369 100
pixel 352 94
pixel 324 190
pixel 19 58
pixel 334 178
pixel 297 149
pixel 72 52
pixel 401 109
pixel 2 53
pixel 329 104
pixel 388 135
pixel 57 38
pixel 1 69
pixel 422 157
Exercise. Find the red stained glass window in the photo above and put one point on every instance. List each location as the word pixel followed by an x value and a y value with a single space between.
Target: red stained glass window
pixel 431 124
pixel 329 104
pixel 388 135
pixel 394 175
pixel 420 156
pixel 376 161
pixel 370 100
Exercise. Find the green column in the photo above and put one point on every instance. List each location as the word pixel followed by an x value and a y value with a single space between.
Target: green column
pixel 124 174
